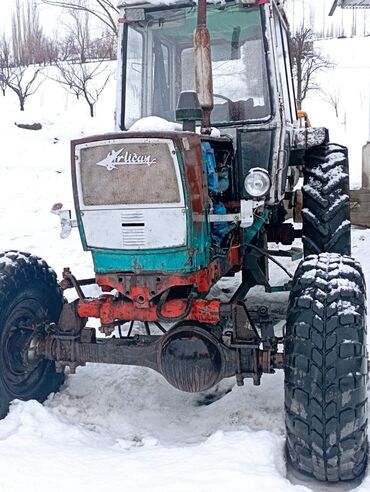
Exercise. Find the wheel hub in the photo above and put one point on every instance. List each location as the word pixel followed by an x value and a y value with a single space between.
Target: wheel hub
pixel 21 362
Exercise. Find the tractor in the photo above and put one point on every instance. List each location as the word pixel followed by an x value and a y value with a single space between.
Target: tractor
pixel 194 186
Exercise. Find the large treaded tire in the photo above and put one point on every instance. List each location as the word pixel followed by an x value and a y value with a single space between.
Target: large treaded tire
pixel 29 294
pixel 326 202
pixel 326 369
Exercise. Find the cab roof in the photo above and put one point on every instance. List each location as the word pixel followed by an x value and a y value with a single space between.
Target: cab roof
pixel 168 3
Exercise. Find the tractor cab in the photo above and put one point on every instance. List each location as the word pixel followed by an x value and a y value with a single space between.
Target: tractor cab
pixel 248 43
pixel 246 46
pixel 158 63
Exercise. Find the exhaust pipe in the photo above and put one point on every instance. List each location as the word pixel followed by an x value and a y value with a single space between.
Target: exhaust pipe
pixel 203 67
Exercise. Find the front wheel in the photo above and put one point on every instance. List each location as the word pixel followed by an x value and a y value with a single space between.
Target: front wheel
pixel 326 369
pixel 30 299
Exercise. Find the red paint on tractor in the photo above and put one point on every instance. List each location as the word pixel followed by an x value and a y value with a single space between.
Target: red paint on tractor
pixel 194 175
pixel 151 285
pixel 140 292
pixel 108 309
pixel 260 2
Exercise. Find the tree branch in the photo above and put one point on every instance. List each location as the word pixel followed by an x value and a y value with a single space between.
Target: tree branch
pixel 105 15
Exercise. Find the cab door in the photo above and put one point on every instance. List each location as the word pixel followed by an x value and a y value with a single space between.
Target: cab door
pixel 287 106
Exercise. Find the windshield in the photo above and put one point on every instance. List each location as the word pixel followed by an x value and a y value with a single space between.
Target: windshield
pixel 160 64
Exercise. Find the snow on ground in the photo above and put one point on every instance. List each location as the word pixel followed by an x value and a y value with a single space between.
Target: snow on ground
pixel 119 428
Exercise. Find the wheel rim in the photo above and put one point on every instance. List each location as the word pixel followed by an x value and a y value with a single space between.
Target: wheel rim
pixel 22 369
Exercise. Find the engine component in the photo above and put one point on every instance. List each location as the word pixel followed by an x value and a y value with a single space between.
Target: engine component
pixel 218 181
pixel 220 229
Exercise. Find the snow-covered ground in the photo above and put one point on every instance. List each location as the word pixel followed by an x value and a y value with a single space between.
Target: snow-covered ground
pixel 118 428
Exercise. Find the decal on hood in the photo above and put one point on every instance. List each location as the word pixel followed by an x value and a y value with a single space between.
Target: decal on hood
pixel 125 158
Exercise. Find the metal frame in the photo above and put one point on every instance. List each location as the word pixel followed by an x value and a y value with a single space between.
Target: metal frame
pixel 349 4
pixel 243 352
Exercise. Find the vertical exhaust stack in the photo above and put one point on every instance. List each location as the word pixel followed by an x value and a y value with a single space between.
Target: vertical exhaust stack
pixel 203 67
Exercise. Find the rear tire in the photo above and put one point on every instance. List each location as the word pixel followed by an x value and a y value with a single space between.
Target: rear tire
pixel 29 295
pixel 326 204
pixel 326 369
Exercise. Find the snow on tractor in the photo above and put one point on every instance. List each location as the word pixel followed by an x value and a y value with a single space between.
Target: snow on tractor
pixel 168 213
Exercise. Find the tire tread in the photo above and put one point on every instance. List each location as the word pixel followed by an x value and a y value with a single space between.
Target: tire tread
pixel 326 202
pixel 326 369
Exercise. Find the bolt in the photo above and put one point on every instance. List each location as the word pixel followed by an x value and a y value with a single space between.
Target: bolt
pixel 263 311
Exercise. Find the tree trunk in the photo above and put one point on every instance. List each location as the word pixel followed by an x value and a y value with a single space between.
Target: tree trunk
pixel 299 85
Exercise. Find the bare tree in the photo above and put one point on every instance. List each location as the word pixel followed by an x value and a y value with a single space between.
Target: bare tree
pixel 51 51
pixel 23 50
pixel 3 85
pixel 28 40
pixel 79 34
pixel 75 73
pixel 5 63
pixel 104 10
pixel 67 49
pixel 332 97
pixel 24 82
pixel 79 45
pixel 83 79
pixel 307 61
pixel 104 46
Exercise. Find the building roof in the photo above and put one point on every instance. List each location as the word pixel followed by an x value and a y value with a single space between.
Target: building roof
pixel 350 4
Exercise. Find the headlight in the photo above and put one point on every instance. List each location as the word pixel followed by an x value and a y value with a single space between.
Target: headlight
pixel 257 182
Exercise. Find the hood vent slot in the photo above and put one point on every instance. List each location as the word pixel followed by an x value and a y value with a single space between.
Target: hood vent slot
pixel 133 229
